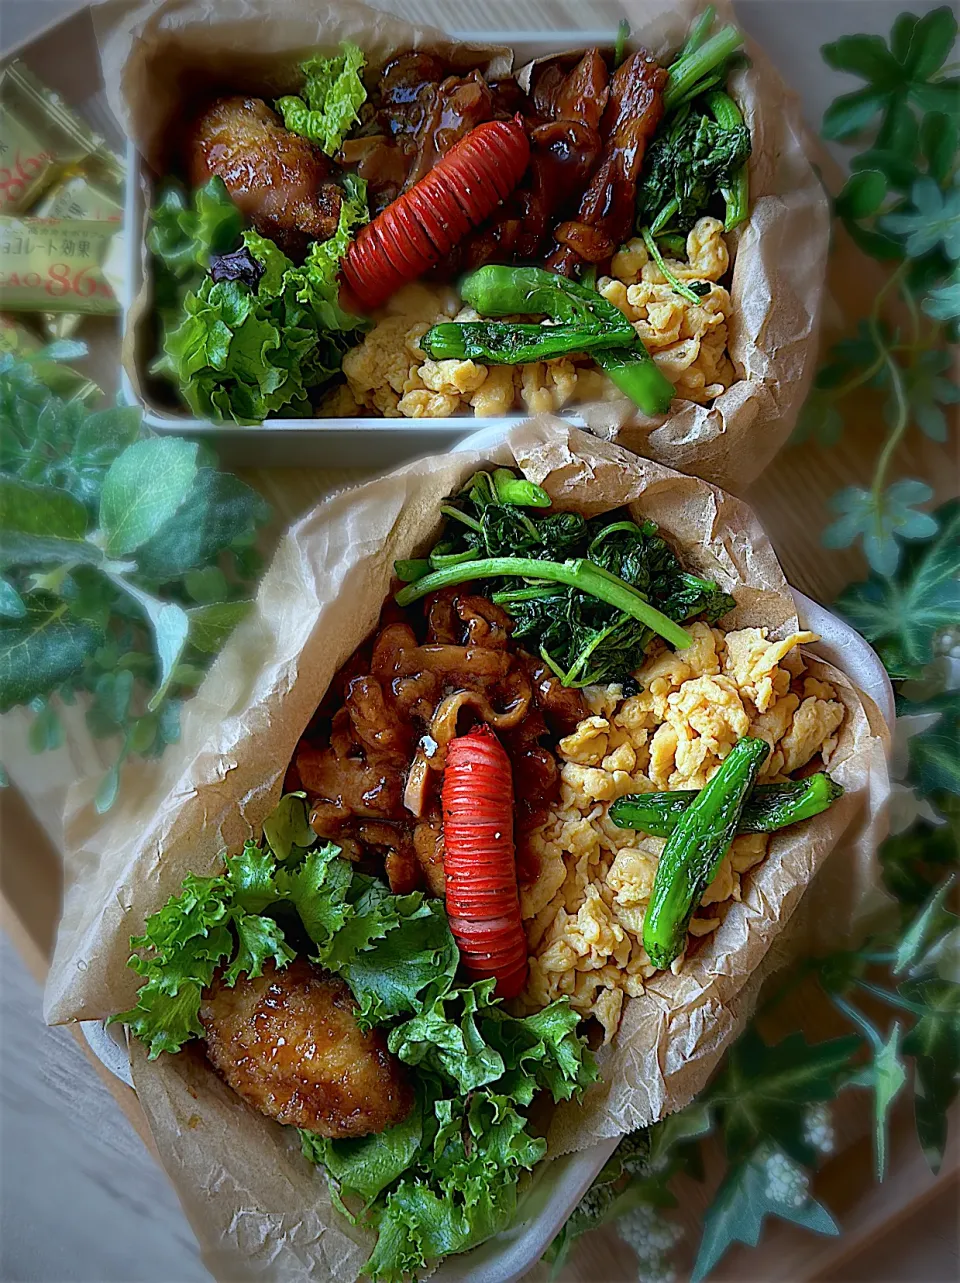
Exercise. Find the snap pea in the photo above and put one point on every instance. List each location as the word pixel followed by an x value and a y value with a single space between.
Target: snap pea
pixel 695 849
pixel 768 808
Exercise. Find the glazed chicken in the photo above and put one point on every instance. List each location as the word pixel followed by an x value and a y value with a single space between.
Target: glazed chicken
pixel 607 208
pixel 288 1043
pixel 280 181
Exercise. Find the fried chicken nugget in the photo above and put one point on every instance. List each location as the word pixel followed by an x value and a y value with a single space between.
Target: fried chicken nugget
pixel 279 180
pixel 288 1043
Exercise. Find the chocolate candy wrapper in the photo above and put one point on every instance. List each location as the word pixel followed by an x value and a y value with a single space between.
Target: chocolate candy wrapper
pixel 94 193
pixel 38 136
pixel 19 341
pixel 56 265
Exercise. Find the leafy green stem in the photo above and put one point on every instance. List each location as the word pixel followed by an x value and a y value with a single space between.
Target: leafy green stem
pixel 892 999
pixel 857 1018
pixel 576 573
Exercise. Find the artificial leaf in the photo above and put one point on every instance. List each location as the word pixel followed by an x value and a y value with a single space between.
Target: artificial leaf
pixel 762 1089
pixel 934 1043
pixel 935 753
pixel 901 615
pixel 933 921
pixel 933 220
pixel 210 626
pixel 171 626
pixel 881 521
pixel 143 488
pixel 207 586
pixel 38 651
pixel 218 510
pixel 748 1195
pixel 943 303
pixel 887 1076
pixel 862 194
pixel 914 862
pixel 27 509
pixel 12 605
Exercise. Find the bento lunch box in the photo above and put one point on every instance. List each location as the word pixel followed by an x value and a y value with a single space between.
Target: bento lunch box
pixel 561 1183
pixel 327 442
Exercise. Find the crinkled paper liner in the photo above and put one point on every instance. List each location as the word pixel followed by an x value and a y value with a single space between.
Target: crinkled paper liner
pixel 257 1207
pixel 159 57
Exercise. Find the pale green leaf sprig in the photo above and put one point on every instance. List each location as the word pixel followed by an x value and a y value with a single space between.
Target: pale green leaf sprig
pixel 882 521
pixel 932 222
pixel 126 563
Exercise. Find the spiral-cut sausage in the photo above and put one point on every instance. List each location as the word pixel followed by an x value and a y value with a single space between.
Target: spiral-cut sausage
pixel 479 861
pixel 424 224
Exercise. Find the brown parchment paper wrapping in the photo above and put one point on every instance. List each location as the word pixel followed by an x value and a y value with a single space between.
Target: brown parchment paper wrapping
pixel 160 57
pixel 257 1208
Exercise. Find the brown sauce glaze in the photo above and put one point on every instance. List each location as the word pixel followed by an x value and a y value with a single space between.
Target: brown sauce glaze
pixel 371 760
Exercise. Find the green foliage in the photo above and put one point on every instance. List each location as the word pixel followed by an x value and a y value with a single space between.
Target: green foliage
pixel 582 638
pixel 881 519
pixel 101 533
pixel 332 96
pixel 239 351
pixel 764 1183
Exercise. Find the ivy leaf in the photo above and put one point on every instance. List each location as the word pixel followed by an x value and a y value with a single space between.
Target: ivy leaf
pixel 914 862
pixel 934 1044
pixel 143 488
pixel 902 614
pixel 819 420
pixel 750 1193
pixel 880 521
pixel 885 1075
pixel 935 753
pixel 934 220
pixel 762 1089
pixel 927 929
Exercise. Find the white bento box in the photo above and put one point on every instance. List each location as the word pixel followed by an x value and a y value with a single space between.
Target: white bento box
pixel 326 442
pixel 562 1181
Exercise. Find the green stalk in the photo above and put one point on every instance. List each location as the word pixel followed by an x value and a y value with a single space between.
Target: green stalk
pixel 729 116
pixel 575 573
pixel 692 67
pixel 663 218
pixel 699 31
pixel 675 283
pixel 620 48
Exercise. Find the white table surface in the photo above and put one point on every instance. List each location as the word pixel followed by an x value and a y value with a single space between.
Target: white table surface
pixel 81 1200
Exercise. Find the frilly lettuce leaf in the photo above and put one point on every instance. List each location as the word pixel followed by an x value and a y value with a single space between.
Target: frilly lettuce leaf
pixel 449 1042
pixel 184 233
pixel 365 1166
pixel 332 96
pixel 387 981
pixel 245 353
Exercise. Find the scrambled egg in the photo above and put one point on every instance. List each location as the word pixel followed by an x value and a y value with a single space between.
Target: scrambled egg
pixel 389 374
pixel 584 912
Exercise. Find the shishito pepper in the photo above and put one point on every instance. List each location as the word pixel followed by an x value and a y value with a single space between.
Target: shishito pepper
pixel 695 849
pixel 579 320
pixel 768 808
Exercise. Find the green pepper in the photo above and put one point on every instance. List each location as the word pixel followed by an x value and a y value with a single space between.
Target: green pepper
pixel 695 850
pixel 522 291
pixel 768 808
pixel 637 375
pixel 516 343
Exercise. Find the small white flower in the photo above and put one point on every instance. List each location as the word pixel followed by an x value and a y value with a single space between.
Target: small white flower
pixel 651 1236
pixel 818 1129
pixel 786 1182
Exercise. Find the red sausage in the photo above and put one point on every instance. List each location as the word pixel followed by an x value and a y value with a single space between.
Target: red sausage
pixel 424 224
pixel 479 861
